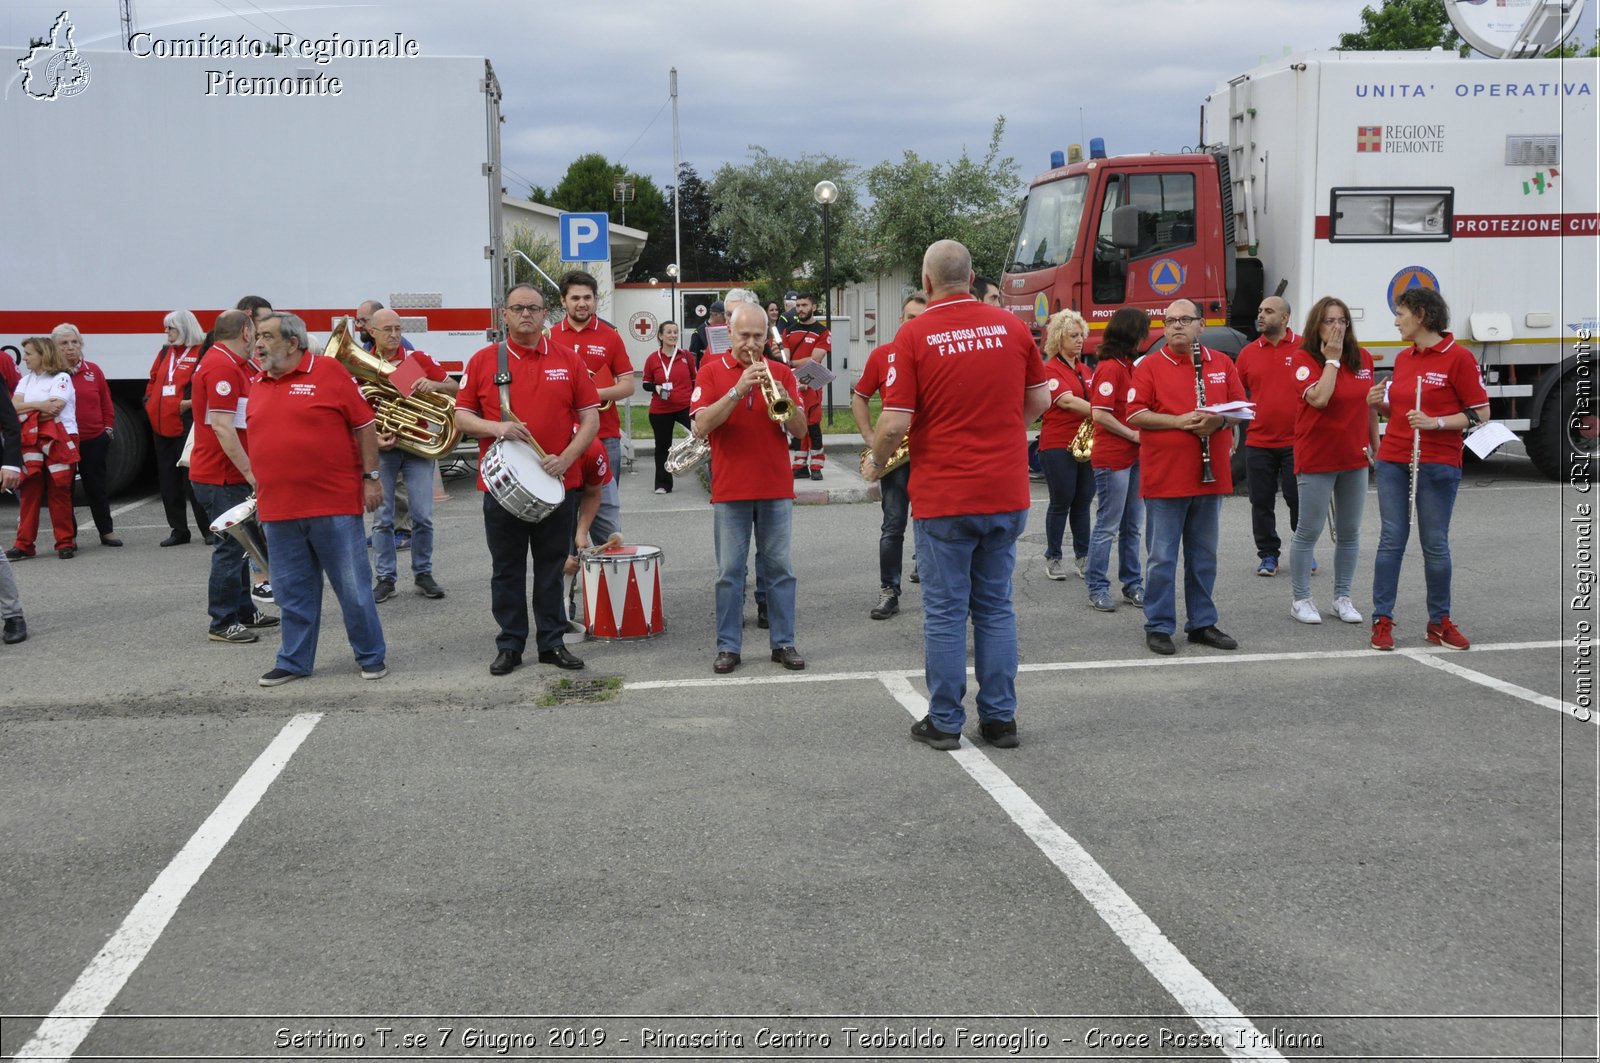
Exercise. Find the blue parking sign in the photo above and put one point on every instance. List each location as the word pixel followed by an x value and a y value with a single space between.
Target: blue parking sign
pixel 585 238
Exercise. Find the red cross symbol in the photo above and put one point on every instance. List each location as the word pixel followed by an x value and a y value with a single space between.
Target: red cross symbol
pixel 641 328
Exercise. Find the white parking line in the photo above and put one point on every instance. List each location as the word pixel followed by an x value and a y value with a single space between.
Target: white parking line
pixel 64 1029
pixel 1207 1006
pixel 1075 666
pixel 131 506
pixel 1566 708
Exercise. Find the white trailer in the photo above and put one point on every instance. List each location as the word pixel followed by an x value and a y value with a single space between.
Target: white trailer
pixel 158 186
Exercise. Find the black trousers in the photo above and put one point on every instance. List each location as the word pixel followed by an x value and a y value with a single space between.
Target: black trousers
pixel 1269 470
pixel 511 542
pixel 92 470
pixel 662 423
pixel 175 486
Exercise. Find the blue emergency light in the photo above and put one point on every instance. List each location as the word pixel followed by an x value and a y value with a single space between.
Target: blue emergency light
pixel 1097 147
pixel 1058 159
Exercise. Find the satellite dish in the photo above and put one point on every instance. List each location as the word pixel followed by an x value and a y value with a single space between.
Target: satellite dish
pixel 1514 29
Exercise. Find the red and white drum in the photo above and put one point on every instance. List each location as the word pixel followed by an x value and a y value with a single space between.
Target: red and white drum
pixel 622 594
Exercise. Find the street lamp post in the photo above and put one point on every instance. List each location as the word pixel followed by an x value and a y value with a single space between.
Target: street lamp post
pixel 825 193
pixel 672 275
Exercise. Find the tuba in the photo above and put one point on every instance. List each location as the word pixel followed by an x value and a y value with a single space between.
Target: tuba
pixel 1082 445
pixel 424 425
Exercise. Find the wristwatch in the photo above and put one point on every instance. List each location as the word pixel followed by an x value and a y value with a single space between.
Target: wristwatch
pixel 373 475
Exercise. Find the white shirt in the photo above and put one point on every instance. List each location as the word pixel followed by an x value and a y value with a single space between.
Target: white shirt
pixel 37 387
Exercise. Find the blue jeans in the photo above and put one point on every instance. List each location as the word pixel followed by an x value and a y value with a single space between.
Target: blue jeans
pixel 966 571
pixel 1348 492
pixel 302 552
pixel 894 491
pixel 609 517
pixel 1071 484
pixel 1196 523
pixel 1120 513
pixel 1436 500
pixel 771 521
pixel 418 474
pixel 228 591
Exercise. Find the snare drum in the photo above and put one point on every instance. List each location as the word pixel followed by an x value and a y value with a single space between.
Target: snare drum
pixel 622 594
pixel 514 477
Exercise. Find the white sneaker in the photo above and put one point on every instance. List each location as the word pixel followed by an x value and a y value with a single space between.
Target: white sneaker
pixel 1305 611
pixel 1347 610
pixel 1055 568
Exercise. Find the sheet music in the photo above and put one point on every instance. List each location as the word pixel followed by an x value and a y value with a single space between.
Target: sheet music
pixel 813 374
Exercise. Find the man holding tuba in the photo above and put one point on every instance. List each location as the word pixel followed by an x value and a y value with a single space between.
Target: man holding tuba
pixel 306 415
pixel 743 402
pixel 396 464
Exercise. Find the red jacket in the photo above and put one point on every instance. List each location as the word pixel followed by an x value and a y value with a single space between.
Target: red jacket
pixel 169 381
pixel 96 414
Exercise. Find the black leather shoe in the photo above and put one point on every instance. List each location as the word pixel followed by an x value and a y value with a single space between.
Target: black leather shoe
pixel 504 662
pixel 1213 636
pixel 561 657
pixel 16 629
pixel 725 662
pixel 110 540
pixel 176 539
pixel 1160 642
pixel 790 658
pixel 67 553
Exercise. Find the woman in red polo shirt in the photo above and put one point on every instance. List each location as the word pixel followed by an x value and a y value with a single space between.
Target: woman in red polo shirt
pixel 669 377
pixel 166 403
pixel 1335 437
pixel 1453 398
pixel 1071 482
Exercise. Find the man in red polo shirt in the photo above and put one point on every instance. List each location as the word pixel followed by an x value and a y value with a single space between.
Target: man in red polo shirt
pixel 553 403
pixel 1268 379
pixel 751 487
pixel 972 377
pixel 303 406
pixel 219 469
pixel 1180 507
pixel 603 352
pixel 808 340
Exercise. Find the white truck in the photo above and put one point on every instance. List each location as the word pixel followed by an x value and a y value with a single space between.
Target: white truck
pixel 1358 174
pixel 156 184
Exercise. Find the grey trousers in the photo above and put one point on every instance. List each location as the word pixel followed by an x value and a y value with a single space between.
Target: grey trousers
pixel 10 598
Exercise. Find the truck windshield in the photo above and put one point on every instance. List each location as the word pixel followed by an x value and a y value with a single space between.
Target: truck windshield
pixel 1049 225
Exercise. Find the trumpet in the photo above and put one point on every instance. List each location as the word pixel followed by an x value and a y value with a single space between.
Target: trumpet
pixel 1082 445
pixel 424 425
pixel 779 405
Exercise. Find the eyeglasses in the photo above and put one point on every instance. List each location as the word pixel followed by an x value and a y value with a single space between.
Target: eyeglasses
pixel 1341 322
pixel 1182 320
pixel 524 309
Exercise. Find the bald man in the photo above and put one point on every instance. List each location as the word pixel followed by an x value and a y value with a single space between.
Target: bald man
pixel 972 377
pixel 1269 439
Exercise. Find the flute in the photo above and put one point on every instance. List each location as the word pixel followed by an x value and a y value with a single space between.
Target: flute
pixel 1416 457
pixel 1206 475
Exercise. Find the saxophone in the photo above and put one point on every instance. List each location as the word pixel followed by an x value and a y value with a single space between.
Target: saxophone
pixel 1083 443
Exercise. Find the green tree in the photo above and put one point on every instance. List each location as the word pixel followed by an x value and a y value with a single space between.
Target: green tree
pixel 1402 25
pixel 705 251
pixel 915 202
pixel 1570 49
pixel 542 250
pixel 765 211
pixel 590 185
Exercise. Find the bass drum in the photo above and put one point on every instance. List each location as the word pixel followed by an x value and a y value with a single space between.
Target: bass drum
pixel 515 478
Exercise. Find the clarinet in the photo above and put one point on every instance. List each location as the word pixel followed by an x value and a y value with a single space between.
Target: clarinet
pixel 1206 475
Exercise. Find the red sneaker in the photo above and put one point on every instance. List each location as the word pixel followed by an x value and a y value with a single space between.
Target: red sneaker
pixel 1445 633
pixel 1382 633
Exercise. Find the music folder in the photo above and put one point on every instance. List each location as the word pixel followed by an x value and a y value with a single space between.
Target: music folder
pixel 407 375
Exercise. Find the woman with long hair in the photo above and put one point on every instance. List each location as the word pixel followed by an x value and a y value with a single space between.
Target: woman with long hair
pixel 1071 482
pixel 166 403
pixel 1119 510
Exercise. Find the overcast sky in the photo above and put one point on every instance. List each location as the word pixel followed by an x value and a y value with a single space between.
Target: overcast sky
pixel 864 80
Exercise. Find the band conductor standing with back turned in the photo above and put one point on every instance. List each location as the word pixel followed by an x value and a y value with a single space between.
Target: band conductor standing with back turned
pixel 967 376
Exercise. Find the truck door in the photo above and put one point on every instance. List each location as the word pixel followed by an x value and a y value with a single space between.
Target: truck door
pixel 1168 261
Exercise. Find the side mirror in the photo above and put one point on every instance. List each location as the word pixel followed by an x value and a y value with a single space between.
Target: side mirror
pixel 1125 227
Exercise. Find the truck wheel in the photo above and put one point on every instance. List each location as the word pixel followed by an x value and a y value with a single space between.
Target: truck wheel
pixel 1566 445
pixel 130 447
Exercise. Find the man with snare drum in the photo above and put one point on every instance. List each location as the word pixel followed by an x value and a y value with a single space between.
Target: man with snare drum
pixel 554 408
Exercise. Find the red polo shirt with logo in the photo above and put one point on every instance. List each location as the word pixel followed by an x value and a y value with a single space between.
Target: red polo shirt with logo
pixel 169 379
pixel 550 386
pixel 221 384
pixel 749 451
pixel 809 340
pixel 1334 438
pixel 603 352
pixel 1113 378
pixel 309 414
pixel 1169 460
pixel 1061 426
pixel 961 369
pixel 1264 369
pixel 594 468
pixel 1451 383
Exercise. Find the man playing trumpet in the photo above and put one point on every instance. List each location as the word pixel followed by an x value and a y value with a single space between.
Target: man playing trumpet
pixel 738 405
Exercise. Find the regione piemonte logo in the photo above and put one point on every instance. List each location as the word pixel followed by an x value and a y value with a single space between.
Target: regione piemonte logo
pixel 54 68
pixel 1369 138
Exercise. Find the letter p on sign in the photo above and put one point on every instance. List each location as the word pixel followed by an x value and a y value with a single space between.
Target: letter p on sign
pixel 585 238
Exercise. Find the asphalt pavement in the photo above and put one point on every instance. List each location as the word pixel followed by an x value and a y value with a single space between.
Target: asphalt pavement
pixel 1302 849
